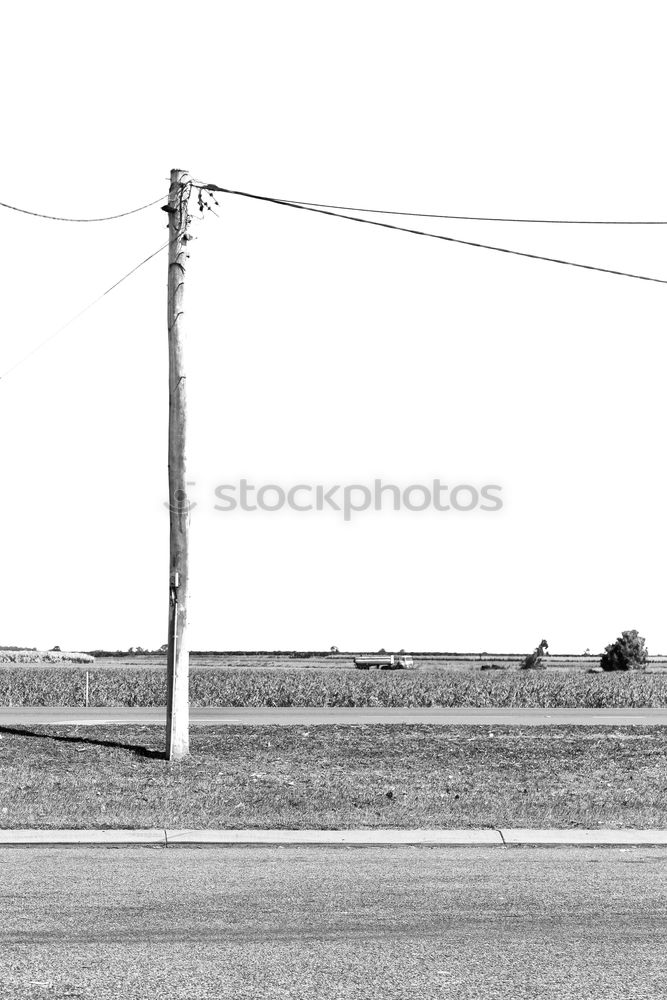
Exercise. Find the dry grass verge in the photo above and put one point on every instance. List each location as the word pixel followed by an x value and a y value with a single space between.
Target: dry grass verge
pixel 335 777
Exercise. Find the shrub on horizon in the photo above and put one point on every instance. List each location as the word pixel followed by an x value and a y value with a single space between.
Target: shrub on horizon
pixel 536 659
pixel 629 652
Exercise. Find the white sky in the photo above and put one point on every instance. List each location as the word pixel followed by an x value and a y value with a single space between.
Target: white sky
pixel 326 351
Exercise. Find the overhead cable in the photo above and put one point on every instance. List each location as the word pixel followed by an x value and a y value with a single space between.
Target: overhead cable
pixel 90 305
pixel 483 218
pixel 435 236
pixel 64 218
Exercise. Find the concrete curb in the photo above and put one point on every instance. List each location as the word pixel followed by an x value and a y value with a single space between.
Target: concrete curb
pixel 81 838
pixel 333 838
pixel 584 838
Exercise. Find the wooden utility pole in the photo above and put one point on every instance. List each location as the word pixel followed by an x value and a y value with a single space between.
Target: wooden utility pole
pixel 178 708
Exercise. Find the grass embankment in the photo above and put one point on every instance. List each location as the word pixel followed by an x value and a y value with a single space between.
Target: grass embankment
pixel 111 687
pixel 335 777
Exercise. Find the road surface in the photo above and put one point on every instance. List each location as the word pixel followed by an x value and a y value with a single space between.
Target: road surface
pixel 345 924
pixel 340 716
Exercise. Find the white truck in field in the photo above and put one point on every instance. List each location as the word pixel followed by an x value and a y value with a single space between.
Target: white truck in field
pixel 384 661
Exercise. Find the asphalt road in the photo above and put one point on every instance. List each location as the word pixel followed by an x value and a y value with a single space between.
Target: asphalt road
pixel 341 716
pixel 138 924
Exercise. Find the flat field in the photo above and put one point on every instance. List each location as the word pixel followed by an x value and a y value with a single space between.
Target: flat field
pixel 335 777
pixel 344 661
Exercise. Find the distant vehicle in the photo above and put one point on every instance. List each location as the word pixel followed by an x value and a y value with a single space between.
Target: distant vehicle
pixel 385 661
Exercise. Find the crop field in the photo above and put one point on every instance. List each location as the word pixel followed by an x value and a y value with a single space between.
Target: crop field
pixel 37 658
pixel 301 687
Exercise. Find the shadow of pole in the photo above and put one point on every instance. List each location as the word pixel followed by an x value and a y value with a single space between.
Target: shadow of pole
pixel 134 748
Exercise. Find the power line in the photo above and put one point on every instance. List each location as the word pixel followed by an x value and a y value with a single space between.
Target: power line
pixel 435 236
pixel 466 218
pixel 483 218
pixel 63 218
pixel 90 305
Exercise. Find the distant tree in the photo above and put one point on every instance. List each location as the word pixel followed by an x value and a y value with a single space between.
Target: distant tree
pixel 55 649
pixel 535 660
pixel 334 649
pixel 629 652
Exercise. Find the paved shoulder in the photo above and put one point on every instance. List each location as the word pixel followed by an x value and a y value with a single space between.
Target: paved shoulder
pixel 341 716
